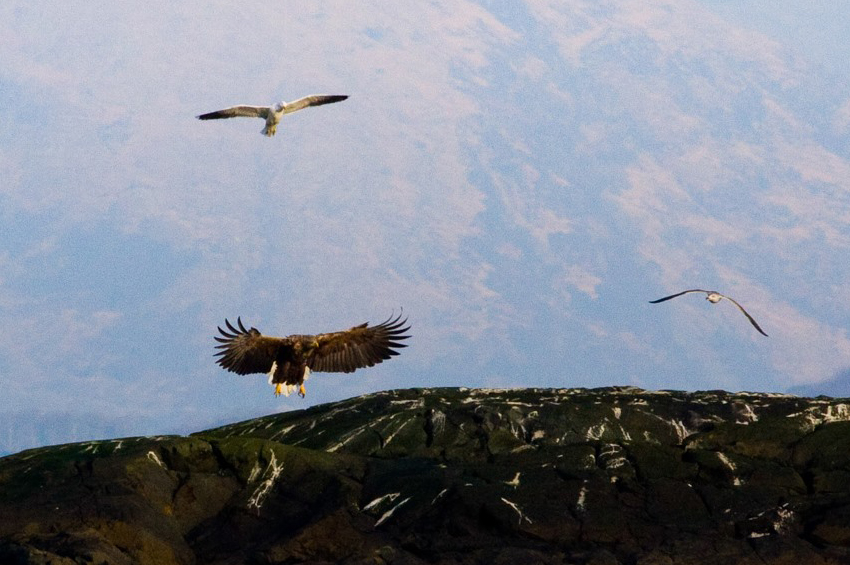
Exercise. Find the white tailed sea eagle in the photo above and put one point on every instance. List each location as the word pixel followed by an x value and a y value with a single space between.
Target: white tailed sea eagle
pixel 289 360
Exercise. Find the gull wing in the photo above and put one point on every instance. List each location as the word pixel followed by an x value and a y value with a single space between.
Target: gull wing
pixel 677 294
pixel 312 100
pixel 750 318
pixel 360 346
pixel 237 112
pixel 246 351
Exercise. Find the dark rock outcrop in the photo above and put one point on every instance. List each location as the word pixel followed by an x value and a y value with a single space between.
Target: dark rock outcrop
pixel 603 477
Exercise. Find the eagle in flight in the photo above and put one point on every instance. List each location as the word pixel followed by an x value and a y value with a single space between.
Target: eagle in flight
pixel 714 297
pixel 289 360
pixel 273 114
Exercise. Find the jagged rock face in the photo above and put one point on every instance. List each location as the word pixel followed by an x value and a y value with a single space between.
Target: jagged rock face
pixel 601 477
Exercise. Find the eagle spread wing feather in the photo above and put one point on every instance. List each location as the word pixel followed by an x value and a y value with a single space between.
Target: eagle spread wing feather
pixel 357 347
pixel 246 351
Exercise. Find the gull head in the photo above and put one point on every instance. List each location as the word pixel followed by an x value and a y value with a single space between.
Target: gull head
pixel 714 297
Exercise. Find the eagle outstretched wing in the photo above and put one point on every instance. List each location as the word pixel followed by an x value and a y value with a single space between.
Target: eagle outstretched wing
pixel 360 346
pixel 246 351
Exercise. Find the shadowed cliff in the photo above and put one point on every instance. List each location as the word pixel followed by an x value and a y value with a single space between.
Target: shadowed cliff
pixel 603 476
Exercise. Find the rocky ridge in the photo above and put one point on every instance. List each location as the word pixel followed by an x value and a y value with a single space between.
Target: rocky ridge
pixel 604 476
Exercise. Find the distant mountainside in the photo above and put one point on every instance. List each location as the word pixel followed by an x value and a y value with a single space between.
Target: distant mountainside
pixel 585 476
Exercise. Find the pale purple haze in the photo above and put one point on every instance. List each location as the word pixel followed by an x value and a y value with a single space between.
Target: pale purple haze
pixel 522 178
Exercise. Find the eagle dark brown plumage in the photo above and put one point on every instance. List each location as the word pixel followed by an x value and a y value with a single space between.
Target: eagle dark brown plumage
pixel 289 360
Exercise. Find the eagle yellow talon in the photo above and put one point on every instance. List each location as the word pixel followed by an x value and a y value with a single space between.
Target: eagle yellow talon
pixel 277 389
pixel 302 392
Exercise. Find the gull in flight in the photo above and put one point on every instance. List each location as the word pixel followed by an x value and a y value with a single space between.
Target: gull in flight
pixel 273 114
pixel 713 297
